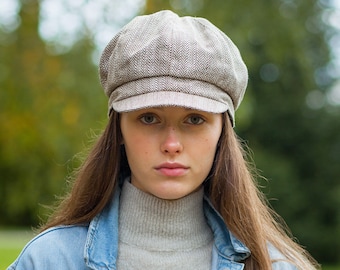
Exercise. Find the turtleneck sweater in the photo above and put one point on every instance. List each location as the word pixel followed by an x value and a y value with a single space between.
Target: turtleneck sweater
pixel 162 234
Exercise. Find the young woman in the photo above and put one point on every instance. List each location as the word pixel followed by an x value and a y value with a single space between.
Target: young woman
pixel 166 186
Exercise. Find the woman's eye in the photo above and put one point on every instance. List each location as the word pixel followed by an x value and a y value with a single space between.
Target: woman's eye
pixel 148 119
pixel 195 120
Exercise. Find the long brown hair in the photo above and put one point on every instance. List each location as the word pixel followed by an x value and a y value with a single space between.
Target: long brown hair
pixel 236 196
pixel 230 186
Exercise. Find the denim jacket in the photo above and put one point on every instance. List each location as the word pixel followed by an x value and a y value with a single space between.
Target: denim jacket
pixel 95 245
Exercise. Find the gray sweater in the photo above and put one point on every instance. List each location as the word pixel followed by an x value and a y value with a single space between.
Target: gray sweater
pixel 162 234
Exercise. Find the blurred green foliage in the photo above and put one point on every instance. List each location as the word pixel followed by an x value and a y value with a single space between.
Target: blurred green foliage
pixel 49 103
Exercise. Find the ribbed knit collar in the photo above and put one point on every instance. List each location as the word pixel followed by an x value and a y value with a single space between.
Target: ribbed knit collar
pixel 164 225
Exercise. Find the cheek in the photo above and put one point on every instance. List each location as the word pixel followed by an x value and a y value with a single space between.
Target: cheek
pixel 211 146
pixel 138 147
pixel 206 152
pixel 210 150
pixel 210 142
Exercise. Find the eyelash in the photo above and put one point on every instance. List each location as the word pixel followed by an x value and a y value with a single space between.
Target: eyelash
pixel 155 119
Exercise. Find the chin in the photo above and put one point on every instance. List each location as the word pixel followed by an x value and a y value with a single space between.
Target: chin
pixel 173 193
pixel 171 196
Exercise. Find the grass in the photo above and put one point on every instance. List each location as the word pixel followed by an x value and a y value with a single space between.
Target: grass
pixel 12 242
pixel 7 256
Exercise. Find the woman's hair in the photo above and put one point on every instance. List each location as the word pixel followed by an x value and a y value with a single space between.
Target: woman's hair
pixel 234 193
pixel 230 186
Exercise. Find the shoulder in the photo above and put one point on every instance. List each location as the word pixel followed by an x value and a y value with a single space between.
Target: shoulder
pixel 56 248
pixel 279 261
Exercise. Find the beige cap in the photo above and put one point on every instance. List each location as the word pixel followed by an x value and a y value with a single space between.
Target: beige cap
pixel 166 60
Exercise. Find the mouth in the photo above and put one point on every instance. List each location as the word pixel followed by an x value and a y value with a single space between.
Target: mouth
pixel 172 169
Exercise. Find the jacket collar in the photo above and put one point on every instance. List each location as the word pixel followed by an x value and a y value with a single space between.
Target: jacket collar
pixel 227 245
pixel 101 247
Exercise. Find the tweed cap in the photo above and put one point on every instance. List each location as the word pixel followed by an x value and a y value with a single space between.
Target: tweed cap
pixel 166 60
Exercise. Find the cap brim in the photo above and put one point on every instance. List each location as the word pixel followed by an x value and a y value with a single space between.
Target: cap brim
pixel 169 91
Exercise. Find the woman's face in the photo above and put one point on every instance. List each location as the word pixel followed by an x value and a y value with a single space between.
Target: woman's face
pixel 170 150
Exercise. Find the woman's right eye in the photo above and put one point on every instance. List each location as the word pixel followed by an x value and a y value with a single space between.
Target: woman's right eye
pixel 148 119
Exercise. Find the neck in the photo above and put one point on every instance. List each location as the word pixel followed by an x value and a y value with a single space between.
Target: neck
pixel 153 223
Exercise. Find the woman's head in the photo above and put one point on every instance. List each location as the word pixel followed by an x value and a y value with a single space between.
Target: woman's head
pixel 166 60
pixel 168 69
pixel 171 69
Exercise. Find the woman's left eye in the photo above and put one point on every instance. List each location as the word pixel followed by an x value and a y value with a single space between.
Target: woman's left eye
pixel 195 120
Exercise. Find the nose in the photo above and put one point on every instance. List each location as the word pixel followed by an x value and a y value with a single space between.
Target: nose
pixel 171 144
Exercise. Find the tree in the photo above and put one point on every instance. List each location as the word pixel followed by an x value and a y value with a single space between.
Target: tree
pixel 47 106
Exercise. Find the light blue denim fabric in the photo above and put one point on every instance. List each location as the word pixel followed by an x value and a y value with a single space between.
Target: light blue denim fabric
pixel 95 246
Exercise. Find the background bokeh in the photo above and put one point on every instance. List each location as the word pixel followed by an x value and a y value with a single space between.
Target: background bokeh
pixel 52 106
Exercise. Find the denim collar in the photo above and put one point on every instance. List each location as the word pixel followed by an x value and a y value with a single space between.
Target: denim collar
pixel 227 245
pixel 101 247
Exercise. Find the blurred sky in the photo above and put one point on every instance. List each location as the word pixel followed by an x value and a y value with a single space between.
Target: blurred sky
pixel 63 22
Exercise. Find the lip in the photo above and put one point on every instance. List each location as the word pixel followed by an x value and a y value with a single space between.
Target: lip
pixel 172 169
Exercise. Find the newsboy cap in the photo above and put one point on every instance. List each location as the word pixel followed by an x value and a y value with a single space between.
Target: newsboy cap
pixel 166 60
